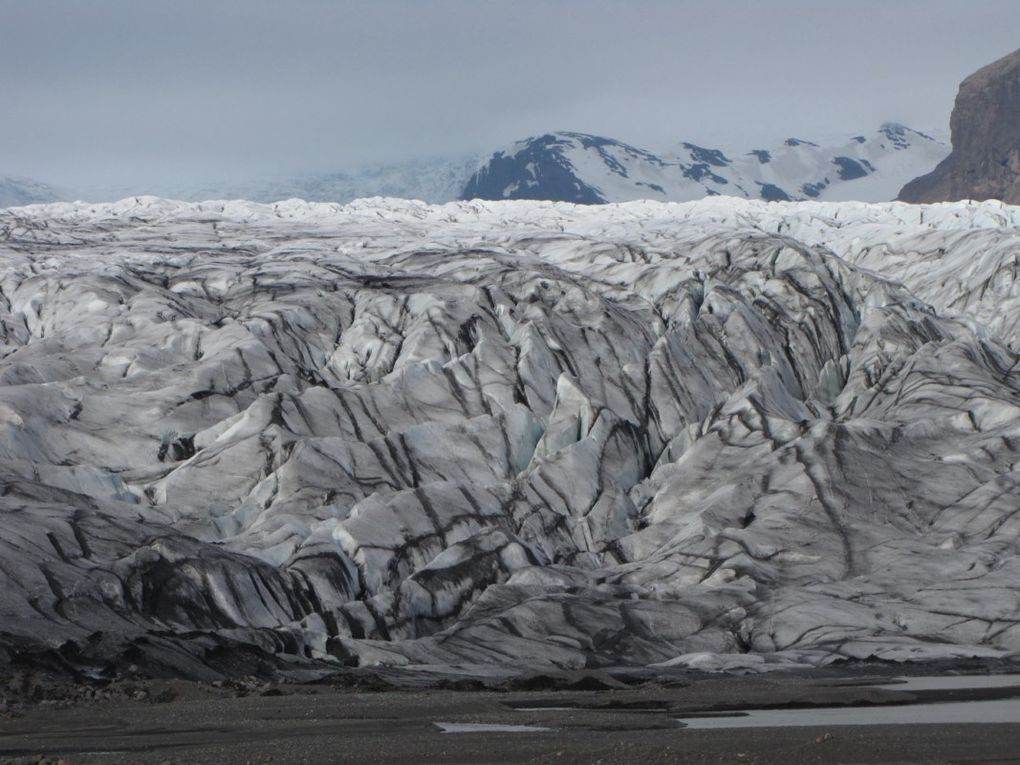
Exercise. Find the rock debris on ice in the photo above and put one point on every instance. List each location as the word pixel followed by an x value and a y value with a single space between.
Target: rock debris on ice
pixel 527 434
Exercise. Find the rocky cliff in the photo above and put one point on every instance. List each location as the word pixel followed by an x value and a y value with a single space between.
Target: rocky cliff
pixel 985 125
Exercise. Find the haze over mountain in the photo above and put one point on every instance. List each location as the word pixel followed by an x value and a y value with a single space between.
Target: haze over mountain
pixel 575 167
pixel 15 191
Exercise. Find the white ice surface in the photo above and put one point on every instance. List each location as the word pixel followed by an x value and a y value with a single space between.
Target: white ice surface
pixel 725 434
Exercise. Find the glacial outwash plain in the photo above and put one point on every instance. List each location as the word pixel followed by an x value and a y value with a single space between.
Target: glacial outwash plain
pixel 502 437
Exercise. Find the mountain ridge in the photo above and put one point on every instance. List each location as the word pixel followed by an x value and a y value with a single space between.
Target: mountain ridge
pixel 577 167
pixel 583 168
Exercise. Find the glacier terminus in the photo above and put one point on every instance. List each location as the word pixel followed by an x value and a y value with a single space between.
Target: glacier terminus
pixel 725 433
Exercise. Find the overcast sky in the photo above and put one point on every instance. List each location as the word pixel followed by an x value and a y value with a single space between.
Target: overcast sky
pixel 129 91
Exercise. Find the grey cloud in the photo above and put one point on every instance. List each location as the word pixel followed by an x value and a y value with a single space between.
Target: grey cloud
pixel 129 91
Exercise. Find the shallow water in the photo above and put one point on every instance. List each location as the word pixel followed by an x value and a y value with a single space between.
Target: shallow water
pixel 947 712
pixel 998 711
pixel 934 712
pixel 951 682
pixel 449 727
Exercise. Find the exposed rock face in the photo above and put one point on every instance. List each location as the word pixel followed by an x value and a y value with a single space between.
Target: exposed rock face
pixel 985 125
pixel 516 433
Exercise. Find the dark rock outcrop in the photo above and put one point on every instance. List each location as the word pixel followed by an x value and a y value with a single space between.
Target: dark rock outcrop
pixel 985 125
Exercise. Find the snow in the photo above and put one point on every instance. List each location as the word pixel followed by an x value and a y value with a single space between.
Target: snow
pixel 1003 711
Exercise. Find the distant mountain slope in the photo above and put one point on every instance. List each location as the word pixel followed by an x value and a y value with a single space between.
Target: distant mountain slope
pixel 588 169
pixel 15 191
pixel 433 180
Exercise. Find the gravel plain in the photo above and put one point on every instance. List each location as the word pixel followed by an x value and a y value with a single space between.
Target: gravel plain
pixel 370 717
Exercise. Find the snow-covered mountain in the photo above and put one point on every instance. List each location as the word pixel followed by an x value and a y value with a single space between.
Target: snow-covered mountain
pixel 587 169
pixel 575 167
pixel 237 436
pixel 15 191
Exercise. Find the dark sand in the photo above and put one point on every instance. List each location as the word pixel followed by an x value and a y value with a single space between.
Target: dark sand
pixel 360 718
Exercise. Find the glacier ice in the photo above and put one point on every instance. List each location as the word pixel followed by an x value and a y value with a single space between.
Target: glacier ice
pixel 509 433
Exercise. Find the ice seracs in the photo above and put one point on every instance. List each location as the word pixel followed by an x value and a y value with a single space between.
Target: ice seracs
pixel 236 436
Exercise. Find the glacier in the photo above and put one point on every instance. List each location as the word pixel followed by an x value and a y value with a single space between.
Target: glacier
pixel 238 437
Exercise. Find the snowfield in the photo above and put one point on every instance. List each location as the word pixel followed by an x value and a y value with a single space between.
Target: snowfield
pixel 724 434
